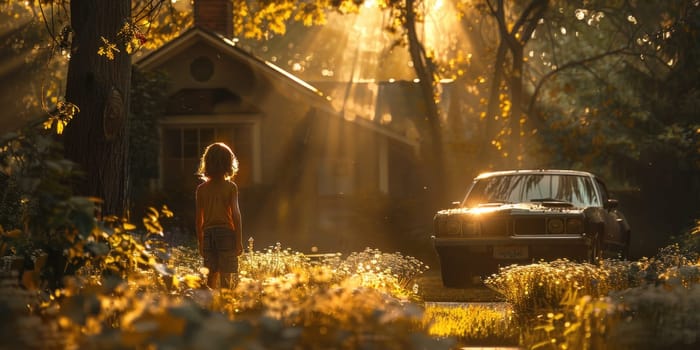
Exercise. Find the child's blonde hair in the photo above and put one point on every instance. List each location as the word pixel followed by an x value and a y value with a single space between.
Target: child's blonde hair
pixel 218 160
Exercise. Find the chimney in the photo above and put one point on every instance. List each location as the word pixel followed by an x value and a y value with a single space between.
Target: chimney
pixel 214 15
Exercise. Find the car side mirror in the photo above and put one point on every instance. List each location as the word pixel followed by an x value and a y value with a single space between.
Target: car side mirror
pixel 611 204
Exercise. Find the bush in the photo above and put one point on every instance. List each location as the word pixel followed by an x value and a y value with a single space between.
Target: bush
pixel 283 300
pixel 545 286
pixel 645 304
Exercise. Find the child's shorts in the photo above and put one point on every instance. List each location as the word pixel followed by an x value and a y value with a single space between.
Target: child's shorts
pixel 219 250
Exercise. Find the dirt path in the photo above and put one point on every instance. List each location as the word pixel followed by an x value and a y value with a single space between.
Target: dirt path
pixel 431 289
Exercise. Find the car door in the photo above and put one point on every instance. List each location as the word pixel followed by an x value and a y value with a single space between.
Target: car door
pixel 614 220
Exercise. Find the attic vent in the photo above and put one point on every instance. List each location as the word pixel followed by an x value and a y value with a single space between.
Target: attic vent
pixel 202 69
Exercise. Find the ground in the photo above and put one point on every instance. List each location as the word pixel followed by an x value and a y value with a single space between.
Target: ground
pixel 430 288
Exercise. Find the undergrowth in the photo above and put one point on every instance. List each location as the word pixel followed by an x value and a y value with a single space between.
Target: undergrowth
pixel 646 304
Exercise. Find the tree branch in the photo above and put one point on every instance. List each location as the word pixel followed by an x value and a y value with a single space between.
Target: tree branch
pixel 566 66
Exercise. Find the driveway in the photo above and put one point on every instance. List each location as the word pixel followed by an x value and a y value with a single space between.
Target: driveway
pixel 430 288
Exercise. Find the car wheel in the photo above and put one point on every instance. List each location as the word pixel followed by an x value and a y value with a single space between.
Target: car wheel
pixel 596 250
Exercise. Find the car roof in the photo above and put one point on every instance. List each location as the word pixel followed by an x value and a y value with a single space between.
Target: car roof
pixel 537 171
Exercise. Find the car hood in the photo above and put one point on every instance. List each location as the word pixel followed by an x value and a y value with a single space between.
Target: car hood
pixel 515 209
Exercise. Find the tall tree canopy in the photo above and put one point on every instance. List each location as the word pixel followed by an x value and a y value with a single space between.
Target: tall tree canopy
pixel 601 85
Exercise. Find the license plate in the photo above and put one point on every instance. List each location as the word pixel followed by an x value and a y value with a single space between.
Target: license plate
pixel 510 252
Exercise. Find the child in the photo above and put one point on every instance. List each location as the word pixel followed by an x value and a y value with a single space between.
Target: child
pixel 218 217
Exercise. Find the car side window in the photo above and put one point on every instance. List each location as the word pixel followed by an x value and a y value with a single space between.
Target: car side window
pixel 603 190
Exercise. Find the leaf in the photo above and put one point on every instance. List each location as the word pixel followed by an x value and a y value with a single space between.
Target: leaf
pixel 12 234
pixel 166 211
pixel 163 270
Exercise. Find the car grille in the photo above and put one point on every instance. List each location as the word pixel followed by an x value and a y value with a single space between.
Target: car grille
pixel 549 225
pixel 529 226
pixel 505 226
pixel 495 227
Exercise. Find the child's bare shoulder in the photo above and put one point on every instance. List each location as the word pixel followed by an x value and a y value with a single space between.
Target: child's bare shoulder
pixel 203 187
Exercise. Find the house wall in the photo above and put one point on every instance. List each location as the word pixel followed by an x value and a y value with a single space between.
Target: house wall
pixel 234 75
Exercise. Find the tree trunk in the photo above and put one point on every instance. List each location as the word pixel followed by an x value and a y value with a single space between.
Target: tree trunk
pixel 96 137
pixel 513 41
pixel 516 97
pixel 424 72
pixel 490 154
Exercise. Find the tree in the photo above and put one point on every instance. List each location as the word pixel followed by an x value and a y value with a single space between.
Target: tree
pixel 98 38
pixel 259 19
pixel 547 54
pixel 607 86
pixel 512 39
pixel 428 77
pixel 94 106
pixel 96 138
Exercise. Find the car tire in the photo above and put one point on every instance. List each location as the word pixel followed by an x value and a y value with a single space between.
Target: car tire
pixel 595 252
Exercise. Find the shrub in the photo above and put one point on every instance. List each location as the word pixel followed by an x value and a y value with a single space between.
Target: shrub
pixel 544 286
pixel 283 301
pixel 648 304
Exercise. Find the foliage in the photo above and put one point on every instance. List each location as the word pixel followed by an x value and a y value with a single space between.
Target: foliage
pixel 274 261
pixel 649 316
pixel 656 317
pixel 131 289
pixel 153 304
pixel 134 290
pixel 47 215
pixel 50 220
pixel 612 304
pixel 395 272
pixel 391 273
pixel 691 240
pixel 547 284
pixel 473 323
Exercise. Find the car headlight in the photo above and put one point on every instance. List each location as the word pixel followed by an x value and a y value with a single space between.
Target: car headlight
pixel 452 227
pixel 471 227
pixel 555 225
pixel 574 225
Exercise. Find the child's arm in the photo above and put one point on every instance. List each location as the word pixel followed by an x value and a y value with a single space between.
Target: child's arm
pixel 237 223
pixel 199 221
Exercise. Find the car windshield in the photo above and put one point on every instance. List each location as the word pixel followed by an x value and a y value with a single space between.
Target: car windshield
pixel 518 188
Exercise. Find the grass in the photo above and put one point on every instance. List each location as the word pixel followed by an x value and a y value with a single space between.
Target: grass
pixel 474 324
pixel 368 299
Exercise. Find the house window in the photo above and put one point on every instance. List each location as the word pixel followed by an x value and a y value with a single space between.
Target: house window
pixel 202 69
pixel 184 145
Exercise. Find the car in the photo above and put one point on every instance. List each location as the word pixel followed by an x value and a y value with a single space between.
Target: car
pixel 524 216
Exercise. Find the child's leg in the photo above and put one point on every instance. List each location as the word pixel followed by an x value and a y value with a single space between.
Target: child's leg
pixel 226 280
pixel 213 279
pixel 229 280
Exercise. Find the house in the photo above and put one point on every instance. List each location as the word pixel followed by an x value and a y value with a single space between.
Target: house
pixel 313 176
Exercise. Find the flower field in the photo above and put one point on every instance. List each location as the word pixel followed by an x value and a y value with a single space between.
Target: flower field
pixel 142 293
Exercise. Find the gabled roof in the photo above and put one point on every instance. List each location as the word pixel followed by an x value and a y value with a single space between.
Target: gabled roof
pixel 228 46
pixel 266 68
